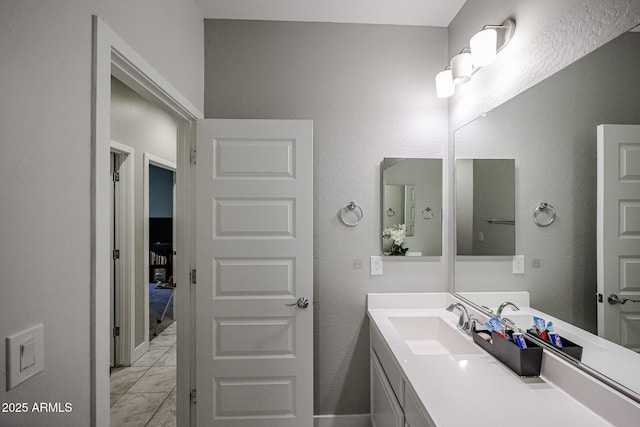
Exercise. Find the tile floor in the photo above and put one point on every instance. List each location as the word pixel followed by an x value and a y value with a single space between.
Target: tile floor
pixel 144 394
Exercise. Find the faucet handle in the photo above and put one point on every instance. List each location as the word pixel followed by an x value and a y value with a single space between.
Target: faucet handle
pixel 472 323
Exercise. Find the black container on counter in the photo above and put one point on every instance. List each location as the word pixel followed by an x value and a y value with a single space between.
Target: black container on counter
pixel 525 362
pixel 569 347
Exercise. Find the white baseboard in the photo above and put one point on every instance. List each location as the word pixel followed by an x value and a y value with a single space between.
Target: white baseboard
pixel 362 420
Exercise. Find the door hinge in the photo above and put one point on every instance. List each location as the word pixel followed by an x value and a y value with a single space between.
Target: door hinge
pixel 116 254
pixel 116 177
pixel 193 276
pixel 193 396
pixel 193 157
pixel 116 331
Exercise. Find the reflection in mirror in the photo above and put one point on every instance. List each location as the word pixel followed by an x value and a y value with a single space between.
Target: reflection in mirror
pixel 551 132
pixel 396 209
pixel 485 207
pixel 411 207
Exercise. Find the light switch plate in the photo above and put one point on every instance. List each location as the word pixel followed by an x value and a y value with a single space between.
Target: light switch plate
pixel 25 355
pixel 376 265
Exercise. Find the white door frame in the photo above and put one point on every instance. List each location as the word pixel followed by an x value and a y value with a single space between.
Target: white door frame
pixel 113 56
pixel 125 205
pixel 150 159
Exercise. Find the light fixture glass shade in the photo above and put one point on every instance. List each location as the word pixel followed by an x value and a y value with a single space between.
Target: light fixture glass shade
pixel 461 68
pixel 483 47
pixel 444 84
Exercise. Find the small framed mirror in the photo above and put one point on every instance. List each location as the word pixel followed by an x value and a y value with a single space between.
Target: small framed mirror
pixel 411 207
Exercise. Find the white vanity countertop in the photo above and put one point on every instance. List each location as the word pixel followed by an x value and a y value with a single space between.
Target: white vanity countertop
pixel 476 389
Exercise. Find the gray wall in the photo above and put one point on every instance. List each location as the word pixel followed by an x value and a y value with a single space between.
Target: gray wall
pixel 370 91
pixel 550 130
pixel 45 136
pixel 493 197
pixel 147 128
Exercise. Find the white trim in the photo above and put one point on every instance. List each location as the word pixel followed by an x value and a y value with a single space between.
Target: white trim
pixel 361 420
pixel 150 159
pixel 138 75
pixel 111 54
pixel 126 232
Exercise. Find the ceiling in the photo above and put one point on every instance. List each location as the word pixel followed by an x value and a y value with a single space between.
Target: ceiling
pixel 434 13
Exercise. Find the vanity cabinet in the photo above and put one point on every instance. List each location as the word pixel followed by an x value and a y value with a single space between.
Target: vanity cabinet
pixel 413 413
pixel 385 409
pixel 393 402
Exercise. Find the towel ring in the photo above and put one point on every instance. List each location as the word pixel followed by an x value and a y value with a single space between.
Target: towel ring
pixel 351 207
pixel 544 206
pixel 427 213
pixel 390 212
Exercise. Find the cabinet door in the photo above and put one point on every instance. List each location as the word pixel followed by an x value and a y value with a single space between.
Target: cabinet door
pixel 415 415
pixel 385 409
pixel 388 364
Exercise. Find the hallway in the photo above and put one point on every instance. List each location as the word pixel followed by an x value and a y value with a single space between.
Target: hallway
pixel 145 393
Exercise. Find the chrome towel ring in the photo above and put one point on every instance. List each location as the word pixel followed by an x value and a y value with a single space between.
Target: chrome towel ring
pixel 352 209
pixel 550 214
pixel 427 213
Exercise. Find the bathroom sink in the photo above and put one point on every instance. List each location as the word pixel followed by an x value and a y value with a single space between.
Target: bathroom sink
pixel 431 335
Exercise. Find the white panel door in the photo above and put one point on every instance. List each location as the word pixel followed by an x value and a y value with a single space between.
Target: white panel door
pixel 619 233
pixel 254 244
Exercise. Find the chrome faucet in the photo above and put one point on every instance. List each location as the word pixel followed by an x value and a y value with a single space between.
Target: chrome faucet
pixel 463 321
pixel 505 305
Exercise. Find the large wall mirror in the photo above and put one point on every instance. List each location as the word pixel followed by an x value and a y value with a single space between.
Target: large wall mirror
pixel 551 132
pixel 411 207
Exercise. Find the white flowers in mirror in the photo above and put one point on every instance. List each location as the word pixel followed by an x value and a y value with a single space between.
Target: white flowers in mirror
pixel 396 235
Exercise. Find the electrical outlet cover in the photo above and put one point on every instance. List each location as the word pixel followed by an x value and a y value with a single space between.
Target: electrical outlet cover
pixel 376 265
pixel 518 264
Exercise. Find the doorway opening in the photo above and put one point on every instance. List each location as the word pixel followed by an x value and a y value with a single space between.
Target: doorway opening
pixel 113 56
pixel 161 240
pixel 147 370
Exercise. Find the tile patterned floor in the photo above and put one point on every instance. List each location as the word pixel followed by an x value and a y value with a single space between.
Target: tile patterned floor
pixel 145 393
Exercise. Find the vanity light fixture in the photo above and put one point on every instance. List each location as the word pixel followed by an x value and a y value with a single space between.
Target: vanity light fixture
pixel 484 46
pixel 444 83
pixel 461 68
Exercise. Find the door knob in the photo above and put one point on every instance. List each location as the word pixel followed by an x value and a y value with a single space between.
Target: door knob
pixel 301 303
pixel 615 299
